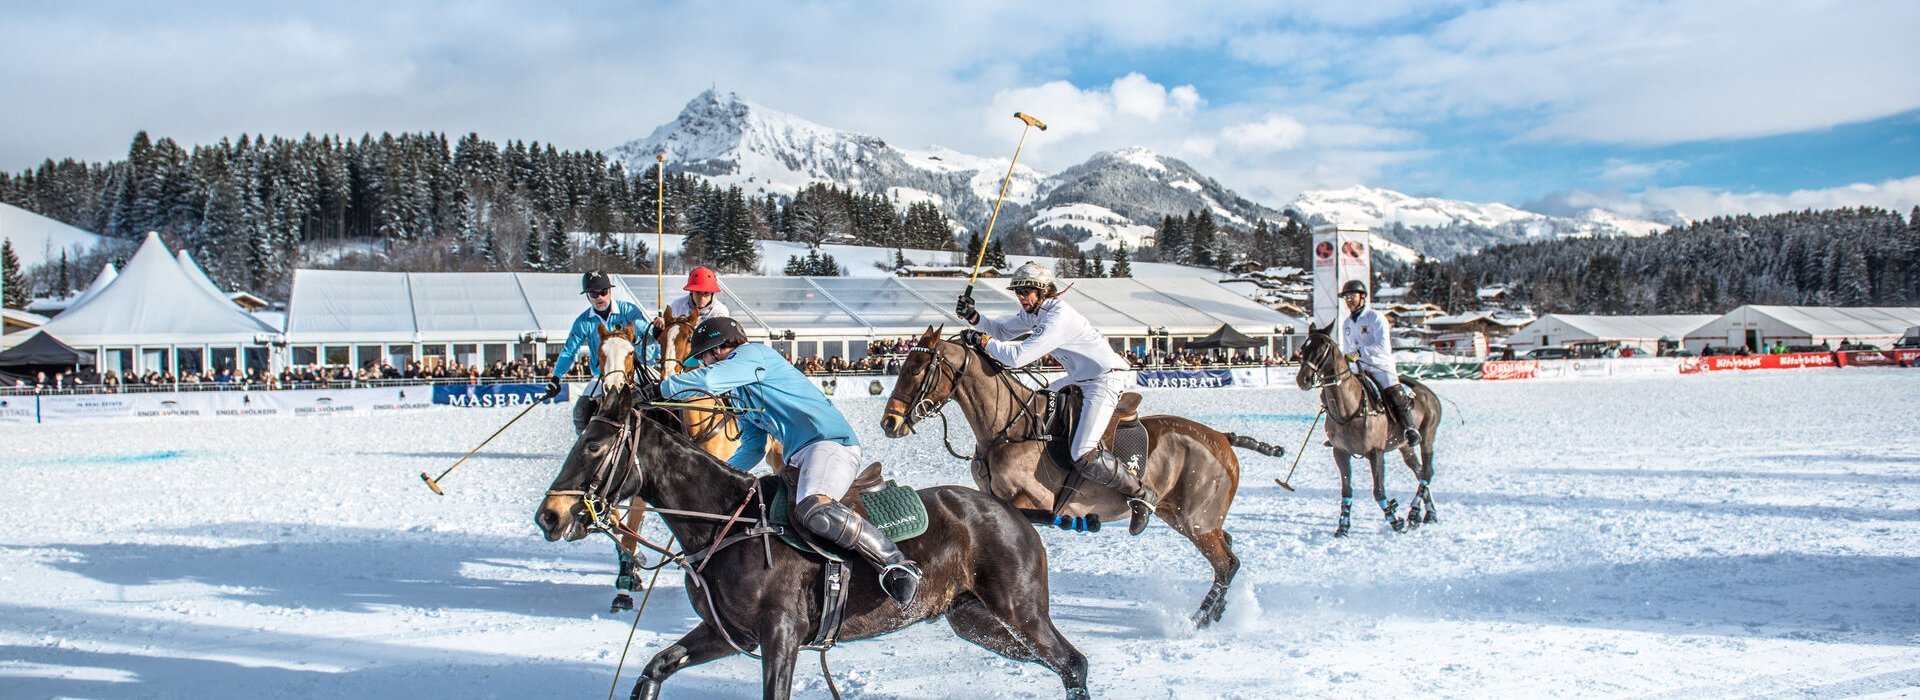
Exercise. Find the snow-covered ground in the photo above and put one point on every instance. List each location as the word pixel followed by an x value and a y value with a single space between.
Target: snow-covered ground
pixel 1741 535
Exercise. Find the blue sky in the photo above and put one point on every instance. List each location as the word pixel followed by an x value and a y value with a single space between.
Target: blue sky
pixel 1702 108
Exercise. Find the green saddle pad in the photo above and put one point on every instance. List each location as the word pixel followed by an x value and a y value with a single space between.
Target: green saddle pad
pixel 895 509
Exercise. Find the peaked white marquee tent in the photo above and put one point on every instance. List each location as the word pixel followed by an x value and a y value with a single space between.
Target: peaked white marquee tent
pixel 154 316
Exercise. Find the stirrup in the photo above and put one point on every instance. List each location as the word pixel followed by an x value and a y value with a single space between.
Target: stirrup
pixel 909 582
pixel 1142 515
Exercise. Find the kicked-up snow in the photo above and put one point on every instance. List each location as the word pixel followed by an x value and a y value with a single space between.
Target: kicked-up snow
pixel 1736 535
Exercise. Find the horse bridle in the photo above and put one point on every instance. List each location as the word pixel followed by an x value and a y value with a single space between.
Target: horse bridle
pixel 1329 375
pixel 922 405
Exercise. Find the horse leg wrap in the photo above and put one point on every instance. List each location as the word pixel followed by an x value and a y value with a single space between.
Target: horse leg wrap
pixel 646 689
pixel 628 579
pixel 1388 507
pixel 1346 517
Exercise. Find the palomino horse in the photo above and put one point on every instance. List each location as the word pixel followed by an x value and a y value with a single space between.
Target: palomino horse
pixel 1354 428
pixel 985 568
pixel 1192 467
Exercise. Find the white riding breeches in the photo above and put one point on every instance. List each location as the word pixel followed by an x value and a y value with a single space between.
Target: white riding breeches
pixel 1386 379
pixel 1097 399
pixel 827 468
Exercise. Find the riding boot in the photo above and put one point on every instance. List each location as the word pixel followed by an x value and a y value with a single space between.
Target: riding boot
pixel 1398 401
pixel 834 521
pixel 1100 467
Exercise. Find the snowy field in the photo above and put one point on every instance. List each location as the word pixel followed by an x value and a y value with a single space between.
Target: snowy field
pixel 1744 535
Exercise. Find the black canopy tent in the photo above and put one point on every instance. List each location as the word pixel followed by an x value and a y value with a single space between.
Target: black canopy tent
pixel 43 353
pixel 1226 338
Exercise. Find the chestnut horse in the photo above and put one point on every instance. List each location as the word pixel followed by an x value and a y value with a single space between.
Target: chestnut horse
pixel 716 432
pixel 1192 467
pixel 1355 429
pixel 985 568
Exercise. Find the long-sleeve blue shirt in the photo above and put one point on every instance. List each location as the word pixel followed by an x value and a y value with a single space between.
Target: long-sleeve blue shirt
pixel 586 332
pixel 795 412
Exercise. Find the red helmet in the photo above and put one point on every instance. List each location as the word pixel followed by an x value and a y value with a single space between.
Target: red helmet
pixel 702 279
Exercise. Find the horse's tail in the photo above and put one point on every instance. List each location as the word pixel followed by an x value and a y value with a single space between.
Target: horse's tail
pixel 1249 443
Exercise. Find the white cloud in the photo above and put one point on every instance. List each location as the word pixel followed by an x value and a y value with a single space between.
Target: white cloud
pixel 1623 172
pixel 1276 133
pixel 1696 203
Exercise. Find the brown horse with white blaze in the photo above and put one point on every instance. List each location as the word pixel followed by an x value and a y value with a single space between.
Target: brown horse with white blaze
pixel 1192 467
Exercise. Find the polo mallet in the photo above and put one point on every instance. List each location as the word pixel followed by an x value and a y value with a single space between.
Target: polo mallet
pixel 1302 451
pixel 982 255
pixel 434 483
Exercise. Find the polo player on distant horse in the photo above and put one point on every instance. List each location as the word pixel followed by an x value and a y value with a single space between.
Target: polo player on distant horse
pixel 703 290
pixel 1089 361
pixel 821 443
pixel 1363 337
pixel 614 315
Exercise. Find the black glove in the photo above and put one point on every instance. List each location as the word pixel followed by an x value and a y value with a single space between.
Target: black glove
pixel 963 307
pixel 974 339
pixel 646 392
pixel 553 388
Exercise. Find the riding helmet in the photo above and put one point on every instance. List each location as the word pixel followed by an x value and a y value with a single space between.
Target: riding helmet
pixel 1353 287
pixel 712 333
pixel 702 279
pixel 1032 275
pixel 595 281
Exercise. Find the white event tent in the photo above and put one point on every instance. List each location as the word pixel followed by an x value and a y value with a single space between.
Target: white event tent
pixel 1758 326
pixel 352 318
pixel 154 316
pixel 1643 333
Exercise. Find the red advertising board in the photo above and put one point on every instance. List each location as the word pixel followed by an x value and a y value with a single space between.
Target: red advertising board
pixel 1867 358
pixel 1719 363
pixel 1509 369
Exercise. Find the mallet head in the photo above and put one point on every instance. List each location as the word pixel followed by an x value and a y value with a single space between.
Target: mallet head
pixel 435 485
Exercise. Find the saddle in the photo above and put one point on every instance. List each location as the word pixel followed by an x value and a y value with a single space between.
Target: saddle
pixel 895 509
pixel 1124 436
pixel 1376 405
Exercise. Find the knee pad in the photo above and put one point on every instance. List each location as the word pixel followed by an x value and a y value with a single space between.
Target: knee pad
pixel 827 518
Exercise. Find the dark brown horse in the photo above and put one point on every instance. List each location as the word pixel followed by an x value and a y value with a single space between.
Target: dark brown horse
pixel 985 567
pixel 1357 428
pixel 1192 467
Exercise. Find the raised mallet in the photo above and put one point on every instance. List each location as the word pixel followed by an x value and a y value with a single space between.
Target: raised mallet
pixel 434 483
pixel 982 255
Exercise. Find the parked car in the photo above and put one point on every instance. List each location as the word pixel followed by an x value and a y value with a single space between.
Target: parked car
pixel 1910 340
pixel 1548 354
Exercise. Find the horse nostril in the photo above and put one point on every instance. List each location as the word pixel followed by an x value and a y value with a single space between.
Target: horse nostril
pixel 545 519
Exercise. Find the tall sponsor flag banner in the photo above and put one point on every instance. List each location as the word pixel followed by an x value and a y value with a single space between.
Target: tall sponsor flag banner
pixel 492 395
pixel 1339 254
pixel 1185 377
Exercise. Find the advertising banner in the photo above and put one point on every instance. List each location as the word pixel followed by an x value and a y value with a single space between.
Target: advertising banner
pixel 1500 370
pixel 1185 377
pixel 1907 358
pixel 230 404
pixel 1719 363
pixel 493 395
pixel 1867 358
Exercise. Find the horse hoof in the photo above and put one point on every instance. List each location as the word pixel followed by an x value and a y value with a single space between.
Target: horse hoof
pixel 1399 525
pixel 1340 531
pixel 621 602
pixel 1431 518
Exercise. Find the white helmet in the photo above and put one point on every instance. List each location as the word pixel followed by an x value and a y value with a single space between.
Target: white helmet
pixel 1032 275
